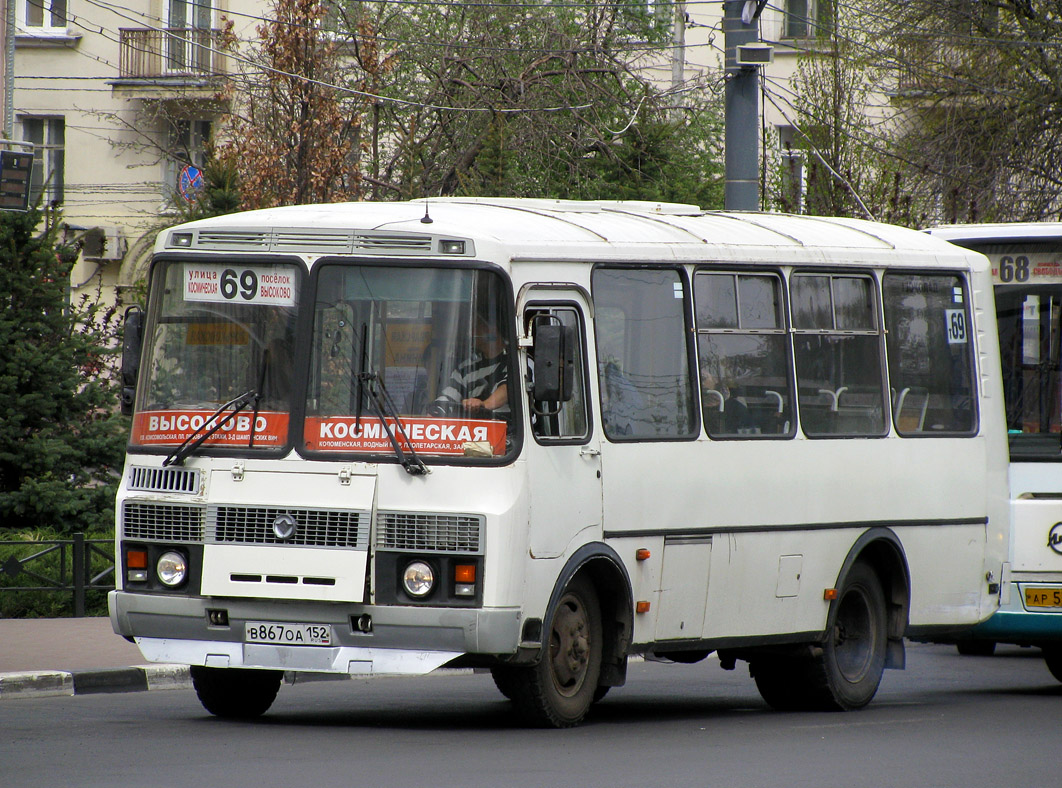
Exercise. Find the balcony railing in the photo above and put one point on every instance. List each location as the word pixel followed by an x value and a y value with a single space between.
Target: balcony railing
pixel 172 52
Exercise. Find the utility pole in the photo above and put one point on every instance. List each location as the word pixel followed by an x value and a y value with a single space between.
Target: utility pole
pixel 742 113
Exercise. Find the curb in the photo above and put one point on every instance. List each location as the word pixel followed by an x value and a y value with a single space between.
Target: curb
pixel 52 683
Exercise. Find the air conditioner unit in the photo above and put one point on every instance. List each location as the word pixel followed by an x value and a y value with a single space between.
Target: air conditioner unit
pixel 104 243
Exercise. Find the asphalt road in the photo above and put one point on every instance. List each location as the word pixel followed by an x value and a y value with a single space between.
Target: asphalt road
pixel 967 722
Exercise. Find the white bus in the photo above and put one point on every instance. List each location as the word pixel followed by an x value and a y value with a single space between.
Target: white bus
pixel 1027 274
pixel 540 437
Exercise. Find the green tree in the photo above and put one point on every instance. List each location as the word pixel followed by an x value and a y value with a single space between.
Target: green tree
pixel 61 442
pixel 524 99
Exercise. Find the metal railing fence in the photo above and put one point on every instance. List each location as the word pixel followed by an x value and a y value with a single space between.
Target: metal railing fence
pixel 75 566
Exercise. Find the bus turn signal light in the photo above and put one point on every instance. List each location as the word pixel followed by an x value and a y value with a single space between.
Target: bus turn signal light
pixel 464 579
pixel 641 607
pixel 829 594
pixel 136 562
pixel 642 554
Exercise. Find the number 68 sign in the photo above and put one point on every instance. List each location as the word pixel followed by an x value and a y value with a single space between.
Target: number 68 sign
pixel 240 284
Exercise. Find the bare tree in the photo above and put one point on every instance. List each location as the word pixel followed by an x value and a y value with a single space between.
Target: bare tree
pixel 980 97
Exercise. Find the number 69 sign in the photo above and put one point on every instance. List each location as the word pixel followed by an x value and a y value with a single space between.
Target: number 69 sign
pixel 240 284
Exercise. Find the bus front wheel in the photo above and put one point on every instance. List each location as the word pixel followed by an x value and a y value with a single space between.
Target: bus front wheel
pixel 559 689
pixel 236 693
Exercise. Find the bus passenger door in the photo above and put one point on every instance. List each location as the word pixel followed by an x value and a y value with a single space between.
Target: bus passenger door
pixel 563 459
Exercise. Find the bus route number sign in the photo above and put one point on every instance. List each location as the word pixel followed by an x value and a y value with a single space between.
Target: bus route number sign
pixel 245 284
pixel 955 326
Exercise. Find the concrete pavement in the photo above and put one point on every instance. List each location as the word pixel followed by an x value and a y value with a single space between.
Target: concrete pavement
pixel 75 656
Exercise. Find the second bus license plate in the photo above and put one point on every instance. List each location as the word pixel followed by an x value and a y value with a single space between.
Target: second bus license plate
pixel 288 634
pixel 1043 597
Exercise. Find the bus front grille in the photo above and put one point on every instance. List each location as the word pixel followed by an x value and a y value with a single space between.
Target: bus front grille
pixel 162 522
pixel 312 527
pixel 444 533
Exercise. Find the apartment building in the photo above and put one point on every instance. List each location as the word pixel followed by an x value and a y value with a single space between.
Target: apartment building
pixel 118 98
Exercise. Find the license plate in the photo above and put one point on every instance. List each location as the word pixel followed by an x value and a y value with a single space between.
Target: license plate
pixel 1043 597
pixel 288 634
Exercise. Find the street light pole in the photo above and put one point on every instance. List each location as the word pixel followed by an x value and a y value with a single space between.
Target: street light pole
pixel 742 109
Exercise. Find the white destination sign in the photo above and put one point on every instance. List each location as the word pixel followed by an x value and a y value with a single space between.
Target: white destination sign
pixel 240 284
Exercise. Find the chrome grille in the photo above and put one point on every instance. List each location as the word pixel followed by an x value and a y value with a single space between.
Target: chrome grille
pixel 295 241
pixel 176 480
pixel 444 533
pixel 162 522
pixel 315 527
pixel 233 239
pixel 392 243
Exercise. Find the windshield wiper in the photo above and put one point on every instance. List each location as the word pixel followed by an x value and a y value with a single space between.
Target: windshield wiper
pixel 384 406
pixel 206 429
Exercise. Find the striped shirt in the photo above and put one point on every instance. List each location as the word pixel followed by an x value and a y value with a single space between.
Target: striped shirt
pixel 478 377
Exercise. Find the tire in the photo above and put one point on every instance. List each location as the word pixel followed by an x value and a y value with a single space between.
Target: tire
pixel 847 673
pixel 236 693
pixel 558 691
pixel 844 673
pixel 783 683
pixel 503 679
pixel 1053 660
pixel 976 648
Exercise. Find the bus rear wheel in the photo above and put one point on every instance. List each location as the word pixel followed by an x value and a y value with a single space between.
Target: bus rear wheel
pixel 558 691
pixel 843 673
pixel 850 667
pixel 236 693
pixel 1053 660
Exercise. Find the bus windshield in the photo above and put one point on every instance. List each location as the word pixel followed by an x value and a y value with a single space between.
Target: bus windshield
pixel 218 331
pixel 420 352
pixel 1029 315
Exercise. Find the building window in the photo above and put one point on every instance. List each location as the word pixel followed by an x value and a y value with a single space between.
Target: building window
pixel 808 18
pixel 48 136
pixel 43 14
pixel 189 39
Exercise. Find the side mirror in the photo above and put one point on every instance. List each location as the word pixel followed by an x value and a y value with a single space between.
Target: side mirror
pixel 132 341
pixel 554 362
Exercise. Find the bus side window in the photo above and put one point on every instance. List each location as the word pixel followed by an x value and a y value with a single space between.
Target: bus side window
pixel 743 355
pixel 643 359
pixel 929 354
pixel 838 347
pixel 560 421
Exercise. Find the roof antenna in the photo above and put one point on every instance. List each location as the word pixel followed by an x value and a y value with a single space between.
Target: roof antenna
pixel 425 219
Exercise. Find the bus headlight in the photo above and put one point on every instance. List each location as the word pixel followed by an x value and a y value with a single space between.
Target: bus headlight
pixel 418 579
pixel 172 569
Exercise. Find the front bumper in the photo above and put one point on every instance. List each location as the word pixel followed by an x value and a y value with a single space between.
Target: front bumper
pixel 403 640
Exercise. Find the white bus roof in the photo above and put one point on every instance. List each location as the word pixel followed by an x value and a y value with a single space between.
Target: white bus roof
pixel 557 230
pixel 1004 231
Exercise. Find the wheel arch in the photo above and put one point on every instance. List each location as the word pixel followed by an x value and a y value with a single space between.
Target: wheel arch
pixel 881 549
pixel 602 566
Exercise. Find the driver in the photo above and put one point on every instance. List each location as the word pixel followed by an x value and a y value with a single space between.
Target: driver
pixel 481 383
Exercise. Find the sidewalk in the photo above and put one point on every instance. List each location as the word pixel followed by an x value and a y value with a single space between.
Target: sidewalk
pixel 75 656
